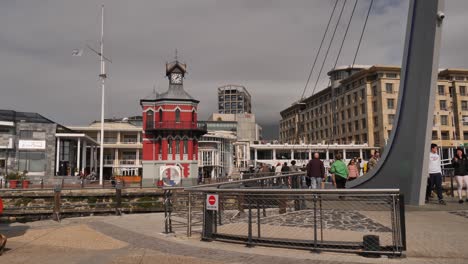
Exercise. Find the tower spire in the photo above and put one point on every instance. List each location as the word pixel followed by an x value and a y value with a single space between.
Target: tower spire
pixel 176 57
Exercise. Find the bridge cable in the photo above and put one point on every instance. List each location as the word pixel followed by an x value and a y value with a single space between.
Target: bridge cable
pixel 329 45
pixel 362 33
pixel 319 49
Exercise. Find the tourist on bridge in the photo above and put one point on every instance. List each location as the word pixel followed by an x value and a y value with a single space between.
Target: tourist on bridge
pixel 373 161
pixel 460 165
pixel 339 171
pixel 278 169
pixel 435 175
pixel 315 173
pixel 353 171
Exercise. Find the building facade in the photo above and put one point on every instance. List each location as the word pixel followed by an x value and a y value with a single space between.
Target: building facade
pixel 122 145
pixel 246 127
pixel 361 107
pixel 171 132
pixel 33 143
pixel 234 99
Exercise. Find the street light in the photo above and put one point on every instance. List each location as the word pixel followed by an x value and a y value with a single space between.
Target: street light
pixel 102 77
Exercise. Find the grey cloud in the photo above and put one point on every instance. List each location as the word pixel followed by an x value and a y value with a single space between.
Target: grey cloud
pixel 268 46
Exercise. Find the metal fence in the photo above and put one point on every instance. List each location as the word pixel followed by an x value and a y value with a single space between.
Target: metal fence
pixel 74 183
pixel 358 221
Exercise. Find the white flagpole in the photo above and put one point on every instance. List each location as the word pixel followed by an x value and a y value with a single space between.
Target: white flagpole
pixel 102 76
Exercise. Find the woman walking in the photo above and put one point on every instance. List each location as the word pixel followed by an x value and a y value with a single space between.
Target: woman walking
pixel 460 165
pixel 353 171
pixel 339 171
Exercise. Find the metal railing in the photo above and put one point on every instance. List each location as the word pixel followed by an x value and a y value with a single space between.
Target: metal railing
pixel 270 210
pixel 175 125
pixel 73 183
pixel 359 221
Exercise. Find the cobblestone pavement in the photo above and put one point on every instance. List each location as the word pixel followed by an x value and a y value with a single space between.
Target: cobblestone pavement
pixel 433 237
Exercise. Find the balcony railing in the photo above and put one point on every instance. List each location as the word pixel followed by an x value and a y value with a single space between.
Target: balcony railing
pixel 168 125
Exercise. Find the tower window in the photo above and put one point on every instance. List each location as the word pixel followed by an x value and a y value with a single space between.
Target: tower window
pixel 177 115
pixel 169 146
pixel 160 115
pixel 149 119
pixel 193 116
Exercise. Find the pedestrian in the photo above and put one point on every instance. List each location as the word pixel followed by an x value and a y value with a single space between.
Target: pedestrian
pixel 353 171
pixel 460 165
pixel 315 173
pixel 3 238
pixel 285 168
pixel 358 165
pixel 435 175
pixel 339 171
pixel 373 160
pixel 200 177
pixel 294 181
pixel 265 169
pixel 278 169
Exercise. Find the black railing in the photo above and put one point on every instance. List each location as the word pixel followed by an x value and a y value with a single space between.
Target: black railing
pixel 168 125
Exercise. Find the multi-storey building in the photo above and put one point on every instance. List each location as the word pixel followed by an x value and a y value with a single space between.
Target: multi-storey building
pixel 234 99
pixel 122 144
pixel 360 107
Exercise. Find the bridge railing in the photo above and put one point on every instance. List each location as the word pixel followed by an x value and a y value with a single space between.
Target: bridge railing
pixel 358 221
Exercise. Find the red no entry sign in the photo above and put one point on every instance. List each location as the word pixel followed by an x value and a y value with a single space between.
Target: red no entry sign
pixel 212 202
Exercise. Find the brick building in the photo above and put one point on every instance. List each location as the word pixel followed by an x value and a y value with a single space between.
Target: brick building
pixel 171 132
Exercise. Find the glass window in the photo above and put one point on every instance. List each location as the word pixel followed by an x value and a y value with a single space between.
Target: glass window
pixel 445 135
pixel 376 121
pixel 363 123
pixel 465 134
pixel 443 120
pixel 389 87
pixel 391 117
pixel 32 161
pixel 185 146
pixel 462 90
pixel 374 90
pixel 440 89
pixel 26 134
pixel 374 106
pixel 391 103
pixel 169 146
pixel 443 105
pixel 435 136
pixel 363 109
pixel 464 105
pixel 161 115
pixel 177 115
pixel 177 146
pixel 356 125
pixel 362 94
pixel 356 111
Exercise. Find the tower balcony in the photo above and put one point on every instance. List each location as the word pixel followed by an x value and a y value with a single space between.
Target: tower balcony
pixel 199 127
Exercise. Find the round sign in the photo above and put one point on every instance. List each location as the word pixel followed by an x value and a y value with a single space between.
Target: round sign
pixel 211 200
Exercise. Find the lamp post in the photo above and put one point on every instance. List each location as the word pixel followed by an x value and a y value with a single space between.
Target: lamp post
pixel 102 77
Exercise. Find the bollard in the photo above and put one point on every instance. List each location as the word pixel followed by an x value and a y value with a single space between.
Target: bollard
pixel 370 243
pixel 118 198
pixel 57 194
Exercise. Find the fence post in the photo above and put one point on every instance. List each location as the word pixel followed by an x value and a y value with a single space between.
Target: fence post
pixel 56 210
pixel 42 183
pixel 249 239
pixel 167 211
pixel 401 200
pixel 141 182
pixel 208 217
pixel 258 218
pixel 82 183
pixel 189 215
pixel 118 199
pixel 315 224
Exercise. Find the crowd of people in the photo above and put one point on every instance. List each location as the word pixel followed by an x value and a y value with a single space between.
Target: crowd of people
pixel 338 173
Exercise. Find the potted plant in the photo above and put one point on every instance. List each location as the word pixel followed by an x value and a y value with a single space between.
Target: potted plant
pixel 13 179
pixel 24 180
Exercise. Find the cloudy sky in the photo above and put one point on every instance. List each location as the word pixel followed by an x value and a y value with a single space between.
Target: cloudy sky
pixel 266 45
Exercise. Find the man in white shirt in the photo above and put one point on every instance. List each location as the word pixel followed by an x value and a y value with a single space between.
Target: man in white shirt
pixel 435 175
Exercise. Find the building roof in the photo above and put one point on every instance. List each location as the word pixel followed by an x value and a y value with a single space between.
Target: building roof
pixel 28 117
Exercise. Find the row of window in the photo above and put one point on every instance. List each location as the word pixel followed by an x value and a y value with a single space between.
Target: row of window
pixel 150 117
pixel 441 90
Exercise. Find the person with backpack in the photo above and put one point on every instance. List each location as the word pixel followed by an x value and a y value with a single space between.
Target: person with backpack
pixel 339 171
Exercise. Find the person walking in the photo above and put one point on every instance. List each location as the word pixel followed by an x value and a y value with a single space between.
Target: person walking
pixel 373 160
pixel 315 173
pixel 435 175
pixel 339 171
pixel 294 181
pixel 353 171
pixel 460 166
pixel 278 169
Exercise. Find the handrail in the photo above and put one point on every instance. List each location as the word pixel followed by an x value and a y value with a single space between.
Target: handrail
pixel 248 180
pixel 299 191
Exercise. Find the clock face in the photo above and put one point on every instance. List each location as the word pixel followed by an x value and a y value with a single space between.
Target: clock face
pixel 176 78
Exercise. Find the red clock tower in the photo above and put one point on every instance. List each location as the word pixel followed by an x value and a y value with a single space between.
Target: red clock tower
pixel 171 132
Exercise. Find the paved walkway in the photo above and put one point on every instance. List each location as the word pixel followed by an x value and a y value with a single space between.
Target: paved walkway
pixel 434 236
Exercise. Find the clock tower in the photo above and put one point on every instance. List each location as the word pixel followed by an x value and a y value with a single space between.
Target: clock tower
pixel 171 132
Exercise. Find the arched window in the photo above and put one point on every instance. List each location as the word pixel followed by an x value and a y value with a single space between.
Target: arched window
pixel 149 119
pixel 185 146
pixel 160 115
pixel 193 116
pixel 177 146
pixel 169 145
pixel 177 115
